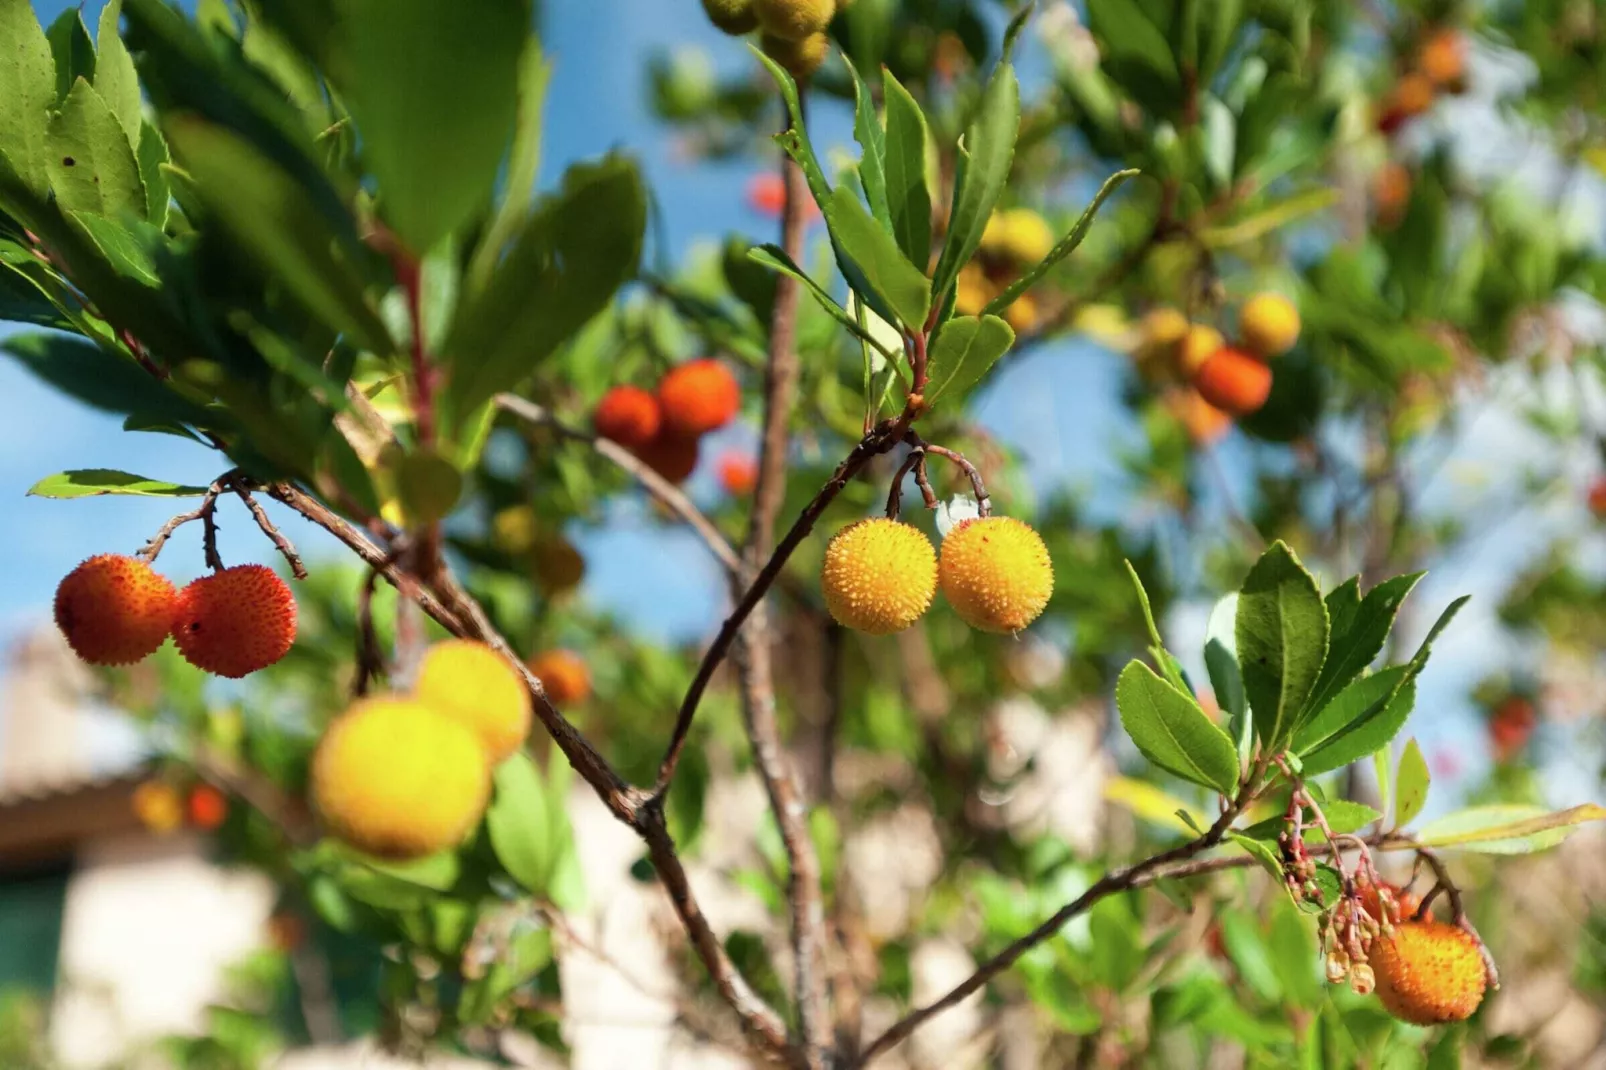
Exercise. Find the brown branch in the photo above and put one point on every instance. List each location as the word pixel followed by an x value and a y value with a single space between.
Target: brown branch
pixel 370 658
pixel 203 512
pixel 984 503
pixel 447 603
pixel 240 487
pixel 753 652
pixel 913 461
pixel 666 492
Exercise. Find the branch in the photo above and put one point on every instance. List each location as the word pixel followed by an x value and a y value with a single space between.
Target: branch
pixel 206 513
pixel 753 652
pixel 656 485
pixel 240 487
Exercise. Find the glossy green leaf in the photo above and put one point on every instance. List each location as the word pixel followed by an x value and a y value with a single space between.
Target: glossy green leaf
pixel 92 165
pixel 1412 784
pixel 524 165
pixel 128 254
pixel 73 50
pixel 1157 650
pixel 1291 942
pixel 1506 829
pixel 1173 732
pixel 1136 54
pixel 151 155
pixel 91 482
pixel 573 254
pixel 908 196
pixel 518 823
pixel 1383 770
pixel 1066 246
pixel 1226 677
pixel 28 90
pixel 1260 850
pixel 265 210
pixel 965 351
pixel 1246 947
pixel 115 79
pixel 434 89
pixel 900 285
pixel 1358 636
pixel 97 377
pixel 872 139
pixel 986 154
pixel 1281 640
pixel 775 258
pixel 1380 722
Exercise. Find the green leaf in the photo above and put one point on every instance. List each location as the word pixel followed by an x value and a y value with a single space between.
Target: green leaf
pixel 966 350
pixel 1136 54
pixel 986 153
pixel 1413 783
pixel 524 165
pixel 1506 829
pixel 908 196
pixel 1292 944
pixel 872 141
pixel 903 287
pixel 268 213
pixel 1067 245
pixel 1270 218
pixel 518 823
pixel 28 88
pixel 1226 678
pixel 1157 650
pixel 1343 605
pixel 1420 658
pixel 115 79
pixel 1359 636
pixel 73 50
pixel 1342 816
pixel 98 378
pixel 152 154
pixel 434 89
pixel 1282 641
pixel 125 252
pixel 1383 769
pixel 1246 947
pixel 573 254
pixel 775 258
pixel 1378 723
pixel 92 165
pixel 1173 732
pixel 90 482
pixel 1260 850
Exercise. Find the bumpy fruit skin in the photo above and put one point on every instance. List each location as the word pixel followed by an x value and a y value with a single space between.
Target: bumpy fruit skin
pixel 471 684
pixel 879 576
pixel 697 397
pixel 734 17
pixel 114 610
pixel 1402 904
pixel 738 474
pixel 1234 382
pixel 1269 323
pixel 564 675
pixel 802 57
pixel 158 807
pixel 672 456
pixel 996 573
pixel 1199 344
pixel 629 415
pixel 396 779
pixel 793 20
pixel 207 807
pixel 236 621
pixel 1429 972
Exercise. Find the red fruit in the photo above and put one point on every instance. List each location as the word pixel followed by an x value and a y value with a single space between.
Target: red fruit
pixel 672 456
pixel 766 195
pixel 1597 498
pixel 629 415
pixel 114 610
pixel 236 621
pixel 698 397
pixel 1233 381
pixel 1511 726
pixel 207 807
pixel 738 474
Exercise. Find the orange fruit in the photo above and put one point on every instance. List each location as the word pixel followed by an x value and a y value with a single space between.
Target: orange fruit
pixel 697 397
pixel 114 610
pixel 564 675
pixel 235 621
pixel 1429 972
pixel 628 415
pixel 1233 382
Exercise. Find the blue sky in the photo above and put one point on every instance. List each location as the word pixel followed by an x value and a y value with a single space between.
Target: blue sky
pixel 1059 406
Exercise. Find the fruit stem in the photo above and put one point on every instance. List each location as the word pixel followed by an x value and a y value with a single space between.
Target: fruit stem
pixel 1441 876
pixel 206 514
pixel 984 502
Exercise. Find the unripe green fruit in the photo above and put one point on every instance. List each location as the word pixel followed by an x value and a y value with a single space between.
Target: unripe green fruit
pixel 735 17
pixel 793 20
pixel 800 58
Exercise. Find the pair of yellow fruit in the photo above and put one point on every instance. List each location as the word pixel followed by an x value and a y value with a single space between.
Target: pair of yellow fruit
pixel 403 776
pixel 880 575
pixel 1268 326
pixel 792 31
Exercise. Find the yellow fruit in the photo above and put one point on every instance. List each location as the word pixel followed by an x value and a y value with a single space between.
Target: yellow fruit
pixel 1429 972
pixel 563 675
pixel 1269 324
pixel 471 684
pixel 1198 345
pixel 996 573
pixel 793 20
pixel 735 17
pixel 114 610
pixel 1023 314
pixel 972 290
pixel 1027 237
pixel 396 779
pixel 879 576
pixel 514 529
pixel 158 806
pixel 1164 327
pixel 802 57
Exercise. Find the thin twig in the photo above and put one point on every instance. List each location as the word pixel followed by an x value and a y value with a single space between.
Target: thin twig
pixel 984 503
pixel 278 538
pixel 1458 910
pixel 153 547
pixel 370 658
pixel 915 459
pixel 656 485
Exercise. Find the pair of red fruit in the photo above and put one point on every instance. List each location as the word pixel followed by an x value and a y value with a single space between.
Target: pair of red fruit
pixel 117 610
pixel 664 426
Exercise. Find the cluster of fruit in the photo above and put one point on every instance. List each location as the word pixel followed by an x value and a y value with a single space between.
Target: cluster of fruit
pixel 1226 380
pixel 1014 240
pixel 162 808
pixel 1511 726
pixel 117 610
pixel 1438 66
pixel 664 427
pixel 880 575
pixel 791 32
pixel 405 775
